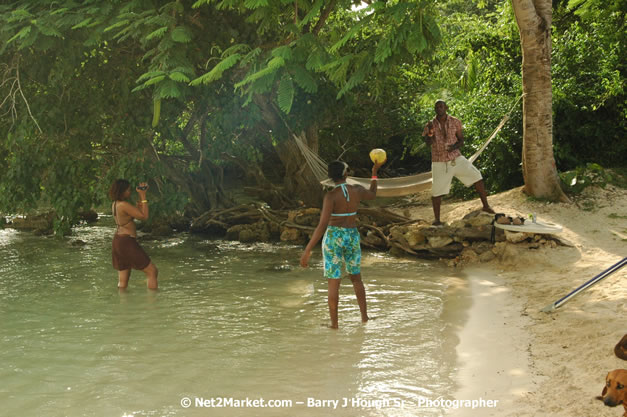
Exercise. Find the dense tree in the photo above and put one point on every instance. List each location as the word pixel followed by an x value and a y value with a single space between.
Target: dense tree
pixel 173 89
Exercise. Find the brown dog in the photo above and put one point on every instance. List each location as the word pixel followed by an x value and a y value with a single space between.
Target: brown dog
pixel 621 348
pixel 615 391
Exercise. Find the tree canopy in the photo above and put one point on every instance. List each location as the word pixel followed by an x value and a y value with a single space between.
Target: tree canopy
pixel 191 94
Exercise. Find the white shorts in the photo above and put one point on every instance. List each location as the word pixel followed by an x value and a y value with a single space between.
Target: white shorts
pixel 443 173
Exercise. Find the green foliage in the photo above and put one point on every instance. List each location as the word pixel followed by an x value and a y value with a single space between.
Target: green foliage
pixel 163 90
pixel 585 176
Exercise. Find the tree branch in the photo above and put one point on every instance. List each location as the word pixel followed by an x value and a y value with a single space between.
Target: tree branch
pixel 323 17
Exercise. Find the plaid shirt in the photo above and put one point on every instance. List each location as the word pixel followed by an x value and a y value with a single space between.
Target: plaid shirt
pixel 444 136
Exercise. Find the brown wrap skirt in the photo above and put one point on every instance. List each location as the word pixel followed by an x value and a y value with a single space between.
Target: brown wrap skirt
pixel 127 254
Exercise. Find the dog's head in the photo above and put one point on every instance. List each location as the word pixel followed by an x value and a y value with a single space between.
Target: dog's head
pixel 615 390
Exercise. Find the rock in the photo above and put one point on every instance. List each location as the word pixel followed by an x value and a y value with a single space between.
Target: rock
pixel 374 239
pixel 414 237
pixel 307 219
pixel 179 223
pixel 247 235
pixel 232 233
pixel 78 242
pixel 510 254
pixel 162 230
pixel 448 251
pixel 458 224
pixel 516 237
pixel 480 219
pixel 311 211
pixel 90 216
pixel 41 224
pixel 291 235
pixel 482 247
pixel 487 256
pixel 469 256
pixel 397 234
pixel 397 252
pixel 439 241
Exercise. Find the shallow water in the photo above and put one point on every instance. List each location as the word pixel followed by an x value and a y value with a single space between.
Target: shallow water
pixel 231 322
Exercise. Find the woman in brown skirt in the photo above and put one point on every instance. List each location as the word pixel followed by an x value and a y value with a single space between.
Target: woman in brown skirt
pixel 126 253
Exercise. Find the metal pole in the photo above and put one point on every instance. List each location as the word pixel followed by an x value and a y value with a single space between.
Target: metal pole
pixel 551 307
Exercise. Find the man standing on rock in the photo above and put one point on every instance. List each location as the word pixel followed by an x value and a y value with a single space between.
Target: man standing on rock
pixel 445 136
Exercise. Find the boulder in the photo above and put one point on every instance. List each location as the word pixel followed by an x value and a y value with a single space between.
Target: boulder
pixel 517 237
pixel 292 235
pixel 439 241
pixel 469 256
pixel 90 216
pixel 414 236
pixel 42 224
pixel 487 256
pixel 162 230
pixel 479 218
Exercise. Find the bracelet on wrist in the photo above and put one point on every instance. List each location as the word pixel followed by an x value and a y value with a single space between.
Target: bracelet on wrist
pixel 374 177
pixel 144 201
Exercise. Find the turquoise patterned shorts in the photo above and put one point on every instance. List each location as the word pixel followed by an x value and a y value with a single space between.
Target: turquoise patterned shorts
pixel 340 245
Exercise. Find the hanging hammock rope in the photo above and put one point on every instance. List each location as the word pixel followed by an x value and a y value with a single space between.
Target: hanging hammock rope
pixel 389 187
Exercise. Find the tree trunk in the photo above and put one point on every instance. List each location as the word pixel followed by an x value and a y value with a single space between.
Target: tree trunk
pixel 299 178
pixel 539 171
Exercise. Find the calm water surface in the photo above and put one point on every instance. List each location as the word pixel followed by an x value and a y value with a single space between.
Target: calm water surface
pixel 230 321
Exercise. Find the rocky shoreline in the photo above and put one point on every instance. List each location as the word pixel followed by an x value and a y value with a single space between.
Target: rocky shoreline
pixel 471 239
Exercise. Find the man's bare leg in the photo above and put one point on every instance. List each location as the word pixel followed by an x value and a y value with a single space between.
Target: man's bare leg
pixel 436 202
pixel 480 187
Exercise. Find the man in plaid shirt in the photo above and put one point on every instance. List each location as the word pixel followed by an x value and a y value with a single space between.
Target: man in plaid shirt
pixel 445 136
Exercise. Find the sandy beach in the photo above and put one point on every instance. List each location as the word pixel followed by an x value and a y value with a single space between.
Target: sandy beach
pixel 536 363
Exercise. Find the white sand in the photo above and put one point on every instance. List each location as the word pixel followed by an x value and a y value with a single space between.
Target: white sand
pixel 534 363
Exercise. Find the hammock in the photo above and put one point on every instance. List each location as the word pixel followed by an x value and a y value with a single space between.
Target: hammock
pixel 387 187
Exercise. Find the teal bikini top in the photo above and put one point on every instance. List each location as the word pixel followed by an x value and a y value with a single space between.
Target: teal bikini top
pixel 345 191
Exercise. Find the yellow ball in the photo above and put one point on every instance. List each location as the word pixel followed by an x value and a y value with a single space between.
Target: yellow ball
pixel 378 156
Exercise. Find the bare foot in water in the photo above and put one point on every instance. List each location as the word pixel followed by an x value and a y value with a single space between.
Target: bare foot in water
pixel 488 209
pixel 437 223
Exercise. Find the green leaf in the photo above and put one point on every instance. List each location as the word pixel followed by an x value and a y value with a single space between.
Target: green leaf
pixel 178 76
pixel 284 52
pixel 216 72
pixel 49 31
pixel 21 34
pixel 82 24
pixel 285 96
pixel 315 8
pixel 384 50
pixel 116 25
pixel 157 33
pixel 276 62
pixel 304 80
pixel 154 80
pixel 351 33
pixel 181 35
pixel 148 75
pixel 169 89
pixel 255 76
pixel 255 4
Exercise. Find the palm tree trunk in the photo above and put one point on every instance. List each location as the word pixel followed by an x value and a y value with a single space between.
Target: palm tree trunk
pixel 539 171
